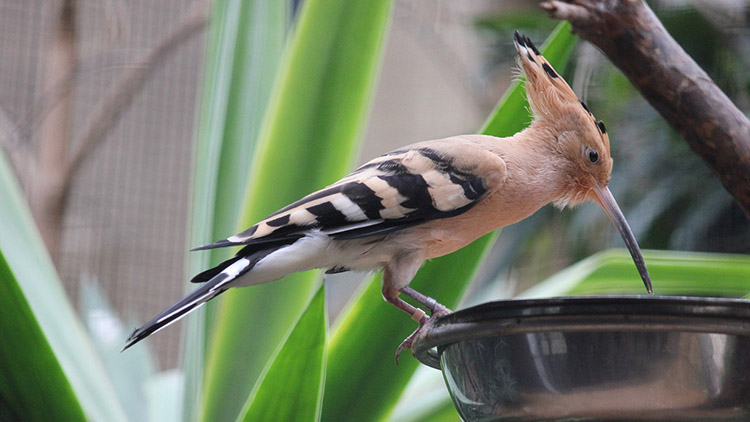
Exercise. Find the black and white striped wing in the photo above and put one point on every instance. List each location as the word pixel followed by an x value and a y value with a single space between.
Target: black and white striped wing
pixel 394 191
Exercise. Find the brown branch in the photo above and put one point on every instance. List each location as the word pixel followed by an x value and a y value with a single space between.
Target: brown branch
pixel 45 184
pixel 634 39
pixel 121 95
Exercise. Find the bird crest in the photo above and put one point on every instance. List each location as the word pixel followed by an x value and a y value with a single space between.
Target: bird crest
pixel 558 111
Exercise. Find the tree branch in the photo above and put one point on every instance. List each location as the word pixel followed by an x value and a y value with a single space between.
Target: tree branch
pixel 634 39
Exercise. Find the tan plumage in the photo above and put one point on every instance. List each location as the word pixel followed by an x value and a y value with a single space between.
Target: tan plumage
pixel 427 200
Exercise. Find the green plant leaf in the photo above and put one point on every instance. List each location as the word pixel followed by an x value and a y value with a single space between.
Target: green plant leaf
pixel 164 392
pixel 33 386
pixel 309 137
pixel 49 363
pixel 442 412
pixel 425 399
pixel 245 42
pixel 128 371
pixel 366 336
pixel 292 387
pixel 673 273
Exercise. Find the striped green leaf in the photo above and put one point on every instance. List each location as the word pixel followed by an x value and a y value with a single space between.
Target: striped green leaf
pixel 309 137
pixel 673 273
pixel 33 386
pixel 244 47
pixel 50 368
pixel 291 388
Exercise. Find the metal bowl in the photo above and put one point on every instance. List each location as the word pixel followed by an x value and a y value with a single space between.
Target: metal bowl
pixel 604 358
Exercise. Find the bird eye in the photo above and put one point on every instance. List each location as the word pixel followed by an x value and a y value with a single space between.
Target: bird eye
pixel 593 156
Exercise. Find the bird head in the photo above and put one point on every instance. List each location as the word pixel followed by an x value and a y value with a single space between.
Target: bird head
pixel 577 138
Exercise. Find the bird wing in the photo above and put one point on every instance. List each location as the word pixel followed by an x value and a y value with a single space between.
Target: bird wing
pixel 403 188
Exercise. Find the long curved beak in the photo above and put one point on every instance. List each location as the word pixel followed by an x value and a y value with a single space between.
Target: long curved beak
pixel 607 201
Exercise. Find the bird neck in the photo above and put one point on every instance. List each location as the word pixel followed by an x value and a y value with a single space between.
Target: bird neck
pixel 536 164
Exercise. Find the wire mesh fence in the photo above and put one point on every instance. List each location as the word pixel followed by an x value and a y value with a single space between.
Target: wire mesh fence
pixel 125 214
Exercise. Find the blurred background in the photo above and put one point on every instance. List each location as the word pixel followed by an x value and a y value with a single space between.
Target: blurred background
pixel 98 106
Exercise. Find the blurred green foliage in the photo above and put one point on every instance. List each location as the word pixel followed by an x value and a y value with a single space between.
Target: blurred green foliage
pixel 310 132
pixel 301 357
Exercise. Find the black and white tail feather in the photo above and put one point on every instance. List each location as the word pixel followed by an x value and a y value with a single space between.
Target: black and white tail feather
pixel 196 298
pixel 216 282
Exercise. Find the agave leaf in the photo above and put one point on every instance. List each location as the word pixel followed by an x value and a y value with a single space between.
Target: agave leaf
pixel 244 48
pixel 128 371
pixel 309 137
pixel 291 388
pixel 33 385
pixel 50 364
pixel 673 273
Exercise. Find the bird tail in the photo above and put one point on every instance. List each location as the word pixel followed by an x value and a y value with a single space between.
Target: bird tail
pixel 213 287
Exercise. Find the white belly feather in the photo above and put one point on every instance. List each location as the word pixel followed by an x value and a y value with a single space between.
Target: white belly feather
pixel 318 250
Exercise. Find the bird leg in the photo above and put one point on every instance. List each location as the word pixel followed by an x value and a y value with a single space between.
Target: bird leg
pixel 433 305
pixel 418 315
pixel 391 296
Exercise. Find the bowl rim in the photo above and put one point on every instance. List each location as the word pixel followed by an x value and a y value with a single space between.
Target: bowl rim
pixel 575 313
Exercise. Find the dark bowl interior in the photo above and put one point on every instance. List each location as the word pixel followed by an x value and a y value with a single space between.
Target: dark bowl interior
pixel 596 359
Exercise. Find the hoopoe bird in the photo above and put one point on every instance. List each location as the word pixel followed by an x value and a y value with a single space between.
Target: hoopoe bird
pixel 426 200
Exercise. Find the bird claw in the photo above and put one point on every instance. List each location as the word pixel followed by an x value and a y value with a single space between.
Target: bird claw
pixel 406 344
pixel 425 325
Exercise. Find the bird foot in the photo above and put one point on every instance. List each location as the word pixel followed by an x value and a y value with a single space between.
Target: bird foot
pixel 440 310
pixel 425 325
pixel 407 343
pixel 431 304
